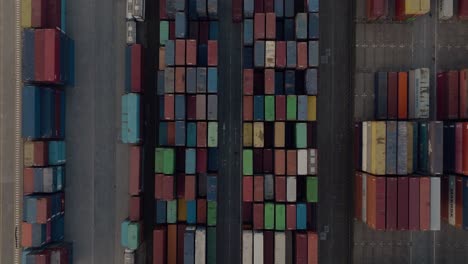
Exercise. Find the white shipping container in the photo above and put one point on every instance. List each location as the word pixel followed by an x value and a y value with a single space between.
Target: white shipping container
pixel 270 54
pixel 130 9
pixel 302 162
pixel 129 256
pixel 364 146
pixel 258 248
pixel 451 201
pixel 131 32
pixel 422 109
pixel 247 247
pixel 291 189
pixel 364 198
pixel 200 246
pixel 139 10
pixel 435 204
pixel 445 9
pixel 280 248
pixel 312 166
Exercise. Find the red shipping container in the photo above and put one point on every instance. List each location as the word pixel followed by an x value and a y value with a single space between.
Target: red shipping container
pixel 258 189
pixel 441 96
pixel 302 55
pixel 180 80
pixel 358 195
pixel 237 11
pixel 51 61
pixel 301 248
pixel 191 56
pixel 268 160
pixel 425 203
pixel 463 94
pixel 459 202
pixel 201 211
pixel 44 208
pixel 280 106
pixel 190 187
pixel 280 188
pixel 204 30
pixel 248 108
pixel 312 246
pixel 291 163
pixel 392 99
pixel 268 247
pixel 134 183
pixel 403 210
pixel 452 96
pixel 134 208
pixel 180 243
pixel 258 216
pixel 247 212
pixel 212 53
pixel 26 234
pixel 371 201
pixel 170 133
pixel 162 13
pixel 171 244
pixel 43 257
pixel 169 107
pixel 280 159
pixel 180 182
pixel 280 54
pixel 172 30
pixel 191 107
pixel 465 148
pixel 38 13
pixel 259 6
pixel 392 195
pixel 137 72
pixel 463 9
pixel 259 26
pixel 291 217
pixel 414 210
pixel 159 245
pixel 39 60
pixel 247 188
pixel 180 52
pixel 269 81
pixel 248 81
pixel 202 160
pixel 376 9
pixel 444 201
pixel 269 6
pixel 270 25
pixel 201 134
pixel 168 187
pixel 402 95
pixel 28 180
pixel 54 14
pixel 380 194
pixel 459 148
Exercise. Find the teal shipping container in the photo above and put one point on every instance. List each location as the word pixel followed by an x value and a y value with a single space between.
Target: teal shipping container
pixel 131 118
pixel 190 161
pixel 57 152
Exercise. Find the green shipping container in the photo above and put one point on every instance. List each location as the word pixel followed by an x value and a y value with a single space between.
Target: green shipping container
pixel 159 160
pixel 269 216
pixel 133 235
pixel 301 135
pixel 269 108
pixel 168 167
pixel 172 211
pixel 280 217
pixel 291 107
pixel 163 32
pixel 212 134
pixel 211 220
pixel 247 162
pixel 211 245
pixel 312 189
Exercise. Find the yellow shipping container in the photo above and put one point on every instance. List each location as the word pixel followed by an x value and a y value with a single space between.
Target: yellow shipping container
pixel 248 133
pixel 26 9
pixel 182 210
pixel 412 7
pixel 425 6
pixel 270 54
pixel 311 108
pixel 279 134
pixel 258 135
pixel 378 147
pixel 28 154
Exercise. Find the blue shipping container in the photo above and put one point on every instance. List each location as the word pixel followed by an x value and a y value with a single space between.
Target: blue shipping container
pixel 291 54
pixel 180 107
pixel 314 25
pixel 162 133
pixel 259 54
pixel 212 80
pixel 214 30
pixel 289 10
pixel 160 85
pixel 302 107
pixel 279 83
pixel 57 153
pixel 279 29
pixel 169 56
pixel 290 82
pixel 248 32
pixel 181 25
pixel 191 77
pixel 192 9
pixel 31 119
pixel 190 161
pixel 189 245
pixel 191 134
pixel 465 203
pixel 191 212
pixel 301 216
pixel 212 188
pixel 313 5
pixel 124 233
pixel 311 81
pixel 301 26
pixel 212 9
pixel 248 57
pixel 259 108
pixel 279 8
pixel 212 159
pixel 201 8
pixel 179 5
pixel 180 133
pixel 131 115
pixel 202 56
pixel 289 29
pixel 248 8
pixel 313 53
pixel 160 212
pixel 28 55
pixel 47 112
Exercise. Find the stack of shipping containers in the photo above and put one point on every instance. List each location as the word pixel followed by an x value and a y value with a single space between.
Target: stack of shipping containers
pixel 186 158
pixel 399 157
pixel 47 68
pixel 132 227
pixel 279 181
pixel 452 108
pixel 405 10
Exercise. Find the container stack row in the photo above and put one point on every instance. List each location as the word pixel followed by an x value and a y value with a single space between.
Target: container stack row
pixel 186 156
pixel 47 67
pixel 397 183
pixel 132 132
pixel 280 85
pixel 449 9
pixel 405 10
pixel 452 108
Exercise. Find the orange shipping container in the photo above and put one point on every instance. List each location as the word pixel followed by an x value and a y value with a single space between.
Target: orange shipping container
pixel 172 244
pixel 248 108
pixel 291 163
pixel 402 95
pixel 280 158
pixel 279 134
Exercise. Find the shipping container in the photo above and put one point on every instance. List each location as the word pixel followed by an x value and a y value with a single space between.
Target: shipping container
pixel 131 118
pixel 247 246
pixel 445 9
pixel 258 247
pixel 463 9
